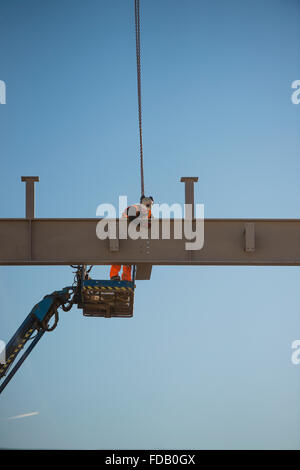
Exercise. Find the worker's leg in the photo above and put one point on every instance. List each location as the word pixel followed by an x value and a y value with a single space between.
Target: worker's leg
pixel 126 275
pixel 114 270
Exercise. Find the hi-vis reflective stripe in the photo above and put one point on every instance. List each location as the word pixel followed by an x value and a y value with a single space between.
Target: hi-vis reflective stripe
pixel 100 288
pixel 15 352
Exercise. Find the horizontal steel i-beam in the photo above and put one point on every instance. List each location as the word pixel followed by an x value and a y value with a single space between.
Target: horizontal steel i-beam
pixel 73 241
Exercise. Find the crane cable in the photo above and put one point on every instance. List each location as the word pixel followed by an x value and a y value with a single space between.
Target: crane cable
pixel 138 69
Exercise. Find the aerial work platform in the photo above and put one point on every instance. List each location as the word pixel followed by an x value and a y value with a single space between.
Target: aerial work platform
pixel 106 298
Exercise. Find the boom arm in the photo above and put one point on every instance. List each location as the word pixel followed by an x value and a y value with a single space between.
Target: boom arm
pixel 37 321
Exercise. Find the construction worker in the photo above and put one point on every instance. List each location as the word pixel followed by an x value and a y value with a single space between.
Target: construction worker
pixel 142 210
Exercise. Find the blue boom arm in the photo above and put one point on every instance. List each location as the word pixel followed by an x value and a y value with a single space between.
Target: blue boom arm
pixel 36 322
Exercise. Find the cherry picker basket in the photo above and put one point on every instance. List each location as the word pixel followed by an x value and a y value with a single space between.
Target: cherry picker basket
pixel 107 298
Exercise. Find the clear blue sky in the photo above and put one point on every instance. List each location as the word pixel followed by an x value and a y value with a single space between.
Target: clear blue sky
pixel 205 362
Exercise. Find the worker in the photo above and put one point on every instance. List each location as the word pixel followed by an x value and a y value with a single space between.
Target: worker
pixel 142 210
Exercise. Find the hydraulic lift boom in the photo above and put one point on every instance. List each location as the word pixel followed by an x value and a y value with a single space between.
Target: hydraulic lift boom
pixel 96 298
pixel 36 322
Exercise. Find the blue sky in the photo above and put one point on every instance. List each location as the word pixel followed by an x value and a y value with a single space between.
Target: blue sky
pixel 205 362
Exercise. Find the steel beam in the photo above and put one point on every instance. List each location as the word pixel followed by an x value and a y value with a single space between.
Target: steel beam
pixel 74 241
pixel 189 192
pixel 29 180
pixel 143 272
